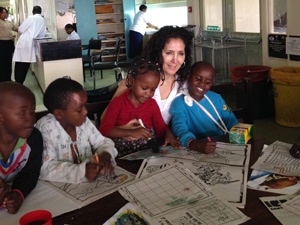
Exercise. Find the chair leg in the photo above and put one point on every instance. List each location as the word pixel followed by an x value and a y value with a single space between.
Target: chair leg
pixel 94 78
pixel 83 73
pixel 90 70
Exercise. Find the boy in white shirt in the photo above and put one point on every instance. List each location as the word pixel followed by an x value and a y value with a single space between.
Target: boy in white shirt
pixel 74 149
pixel 72 35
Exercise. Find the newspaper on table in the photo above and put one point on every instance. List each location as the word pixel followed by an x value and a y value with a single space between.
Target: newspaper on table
pixel 275 206
pixel 293 205
pixel 174 195
pixel 230 178
pixel 277 159
pixel 272 182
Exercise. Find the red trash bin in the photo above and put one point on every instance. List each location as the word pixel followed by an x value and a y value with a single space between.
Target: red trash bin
pixel 259 76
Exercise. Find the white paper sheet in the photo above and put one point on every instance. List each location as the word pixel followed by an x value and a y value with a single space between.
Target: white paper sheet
pixel 42 197
pixel 277 159
pixel 293 205
pixel 221 178
pixel 274 205
pixel 226 153
pixel 87 192
pixel 174 195
pixel 293 45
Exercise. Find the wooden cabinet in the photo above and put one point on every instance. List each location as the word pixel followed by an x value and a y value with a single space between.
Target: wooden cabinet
pixel 110 25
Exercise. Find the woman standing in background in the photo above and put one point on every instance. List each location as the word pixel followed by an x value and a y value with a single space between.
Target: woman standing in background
pixel 7 46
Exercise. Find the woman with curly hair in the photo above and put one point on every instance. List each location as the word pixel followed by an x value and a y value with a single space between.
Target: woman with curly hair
pixel 170 47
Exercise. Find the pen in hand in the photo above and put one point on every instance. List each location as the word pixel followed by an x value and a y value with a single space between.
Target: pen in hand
pixel 96 157
pixel 154 144
pixel 98 161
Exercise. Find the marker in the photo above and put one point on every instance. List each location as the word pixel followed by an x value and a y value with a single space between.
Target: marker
pixel 141 122
pixel 208 139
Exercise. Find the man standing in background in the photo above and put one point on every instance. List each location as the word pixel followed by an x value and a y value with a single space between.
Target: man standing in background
pixel 32 27
pixel 137 31
pixel 7 46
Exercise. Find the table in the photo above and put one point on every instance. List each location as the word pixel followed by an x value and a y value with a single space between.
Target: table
pixel 98 212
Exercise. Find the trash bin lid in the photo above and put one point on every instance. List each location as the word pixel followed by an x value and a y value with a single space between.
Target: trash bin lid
pixel 253 72
pixel 286 75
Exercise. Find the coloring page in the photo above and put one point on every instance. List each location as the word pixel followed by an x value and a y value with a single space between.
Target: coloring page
pixel 225 153
pixel 174 195
pixel 220 178
pixel 90 191
pixel 148 153
pixel 162 192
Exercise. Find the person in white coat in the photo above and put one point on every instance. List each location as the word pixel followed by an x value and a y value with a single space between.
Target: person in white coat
pixel 137 31
pixel 32 27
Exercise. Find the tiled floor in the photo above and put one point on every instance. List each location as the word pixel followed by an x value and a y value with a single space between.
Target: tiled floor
pixel 266 128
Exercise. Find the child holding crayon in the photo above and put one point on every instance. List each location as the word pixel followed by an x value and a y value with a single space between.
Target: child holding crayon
pixel 199 113
pixel 74 149
pixel 134 117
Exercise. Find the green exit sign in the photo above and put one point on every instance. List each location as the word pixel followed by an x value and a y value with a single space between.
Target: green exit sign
pixel 214 28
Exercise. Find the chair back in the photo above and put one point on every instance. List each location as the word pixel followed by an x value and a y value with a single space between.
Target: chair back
pixel 95 110
pixel 117 50
pixel 94 44
pixel 242 95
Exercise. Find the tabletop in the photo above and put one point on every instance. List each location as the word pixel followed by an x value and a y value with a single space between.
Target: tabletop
pixel 101 210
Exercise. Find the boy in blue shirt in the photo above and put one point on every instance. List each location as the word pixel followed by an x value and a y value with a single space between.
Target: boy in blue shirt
pixel 199 113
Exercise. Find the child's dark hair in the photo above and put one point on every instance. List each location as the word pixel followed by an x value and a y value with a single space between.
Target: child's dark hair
pixel 58 93
pixel 141 66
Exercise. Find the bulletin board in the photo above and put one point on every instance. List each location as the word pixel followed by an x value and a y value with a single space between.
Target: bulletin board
pixel 277 46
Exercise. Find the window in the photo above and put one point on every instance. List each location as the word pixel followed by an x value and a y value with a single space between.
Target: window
pixel 213 15
pixel 246 16
pixel 279 16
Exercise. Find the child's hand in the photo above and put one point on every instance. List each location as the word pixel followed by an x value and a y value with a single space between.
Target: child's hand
pixel 203 146
pixel 92 170
pixel 170 139
pixel 132 124
pixel 4 188
pixel 105 161
pixel 141 133
pixel 12 202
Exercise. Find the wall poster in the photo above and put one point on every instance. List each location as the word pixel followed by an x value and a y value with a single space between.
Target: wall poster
pixel 277 46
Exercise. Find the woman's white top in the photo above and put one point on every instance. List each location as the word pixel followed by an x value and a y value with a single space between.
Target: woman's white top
pixel 165 104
